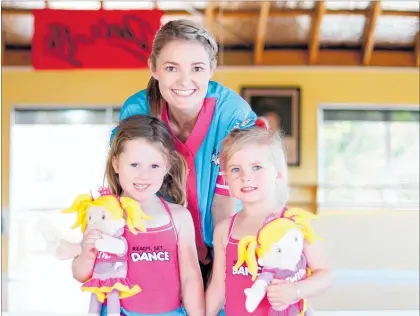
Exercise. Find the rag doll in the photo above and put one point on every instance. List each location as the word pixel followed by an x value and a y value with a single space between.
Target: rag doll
pixel 278 249
pixel 109 214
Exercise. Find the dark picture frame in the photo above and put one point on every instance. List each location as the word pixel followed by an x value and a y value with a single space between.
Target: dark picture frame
pixel 281 107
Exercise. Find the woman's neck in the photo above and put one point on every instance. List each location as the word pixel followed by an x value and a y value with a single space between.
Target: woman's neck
pixel 262 208
pixel 183 121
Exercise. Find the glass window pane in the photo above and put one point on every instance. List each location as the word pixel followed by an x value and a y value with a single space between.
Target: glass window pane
pixel 55 155
pixel 370 158
pixel 81 116
pixel 115 116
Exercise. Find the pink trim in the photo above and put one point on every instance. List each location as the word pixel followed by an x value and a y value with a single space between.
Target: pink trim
pixel 188 150
pixel 231 224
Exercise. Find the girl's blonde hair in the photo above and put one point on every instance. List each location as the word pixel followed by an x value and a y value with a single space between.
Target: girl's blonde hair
pixel 272 231
pixel 157 133
pixel 181 29
pixel 117 207
pixel 239 139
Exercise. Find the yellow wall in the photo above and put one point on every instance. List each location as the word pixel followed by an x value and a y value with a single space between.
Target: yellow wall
pixel 319 86
pixel 371 86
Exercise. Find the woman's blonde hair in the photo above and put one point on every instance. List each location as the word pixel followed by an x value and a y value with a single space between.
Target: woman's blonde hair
pixel 273 231
pixel 238 139
pixel 117 207
pixel 182 29
pixel 157 133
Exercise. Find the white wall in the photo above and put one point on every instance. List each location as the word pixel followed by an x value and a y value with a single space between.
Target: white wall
pixel 375 257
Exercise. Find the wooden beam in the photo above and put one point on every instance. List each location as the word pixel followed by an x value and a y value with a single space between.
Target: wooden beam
pixel 417 49
pixel 247 13
pixel 209 16
pixel 3 45
pixel 250 13
pixel 293 57
pixel 320 8
pixel 369 31
pixel 261 30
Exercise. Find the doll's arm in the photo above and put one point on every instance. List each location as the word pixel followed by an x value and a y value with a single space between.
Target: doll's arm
pixel 68 250
pixel 256 293
pixel 115 245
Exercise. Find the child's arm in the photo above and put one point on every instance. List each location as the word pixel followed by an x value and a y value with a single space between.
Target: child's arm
pixel 321 275
pixel 282 293
pixel 215 294
pixel 82 266
pixel 192 290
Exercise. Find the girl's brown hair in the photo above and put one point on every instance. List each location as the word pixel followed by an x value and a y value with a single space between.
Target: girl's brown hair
pixel 156 132
pixel 181 29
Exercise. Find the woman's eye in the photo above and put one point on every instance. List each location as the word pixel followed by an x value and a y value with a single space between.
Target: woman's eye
pixel 198 69
pixel 170 69
pixel 134 165
pixel 90 217
pixel 234 170
pixel 296 239
pixel 256 168
pixel 155 166
pixel 279 250
pixel 103 217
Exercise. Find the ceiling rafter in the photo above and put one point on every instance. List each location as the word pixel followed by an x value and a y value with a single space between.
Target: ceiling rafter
pixel 261 30
pixel 316 22
pixel 417 49
pixel 369 31
pixel 252 13
pixel 209 16
pixel 287 49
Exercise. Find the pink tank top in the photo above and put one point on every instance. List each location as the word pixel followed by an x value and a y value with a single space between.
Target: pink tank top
pixel 153 265
pixel 237 282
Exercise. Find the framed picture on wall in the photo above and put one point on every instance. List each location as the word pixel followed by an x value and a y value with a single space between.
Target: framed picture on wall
pixel 281 107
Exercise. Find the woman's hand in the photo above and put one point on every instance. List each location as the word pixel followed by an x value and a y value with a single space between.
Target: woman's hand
pixel 281 293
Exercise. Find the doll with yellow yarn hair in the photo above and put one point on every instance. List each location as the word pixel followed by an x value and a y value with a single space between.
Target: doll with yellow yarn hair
pixel 278 248
pixel 109 214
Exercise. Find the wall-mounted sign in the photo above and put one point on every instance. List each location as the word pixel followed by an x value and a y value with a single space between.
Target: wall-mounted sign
pixel 72 39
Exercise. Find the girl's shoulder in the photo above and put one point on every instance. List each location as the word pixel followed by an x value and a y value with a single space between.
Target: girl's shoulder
pixel 221 231
pixel 180 215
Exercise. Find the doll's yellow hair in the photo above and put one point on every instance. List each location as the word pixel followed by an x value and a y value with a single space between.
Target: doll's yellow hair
pixel 251 246
pixel 117 207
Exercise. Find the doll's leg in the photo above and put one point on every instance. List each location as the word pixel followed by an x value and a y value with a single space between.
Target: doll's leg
pixel 113 302
pixel 94 306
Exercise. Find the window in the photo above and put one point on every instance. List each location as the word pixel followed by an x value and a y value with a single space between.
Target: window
pixel 56 154
pixel 369 158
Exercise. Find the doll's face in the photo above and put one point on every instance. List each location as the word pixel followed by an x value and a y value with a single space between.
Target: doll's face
pixel 100 219
pixel 286 253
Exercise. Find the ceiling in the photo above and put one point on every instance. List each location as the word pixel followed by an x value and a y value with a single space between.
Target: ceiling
pixel 316 30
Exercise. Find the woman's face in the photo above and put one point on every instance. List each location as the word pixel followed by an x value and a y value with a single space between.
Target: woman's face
pixel 183 70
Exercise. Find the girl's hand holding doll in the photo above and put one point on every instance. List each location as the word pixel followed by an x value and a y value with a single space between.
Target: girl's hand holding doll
pixel 89 250
pixel 282 293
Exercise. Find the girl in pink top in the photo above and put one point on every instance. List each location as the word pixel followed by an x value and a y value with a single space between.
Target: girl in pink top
pixel 143 164
pixel 254 165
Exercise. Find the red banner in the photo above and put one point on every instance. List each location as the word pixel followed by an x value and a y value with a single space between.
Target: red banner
pixel 71 39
